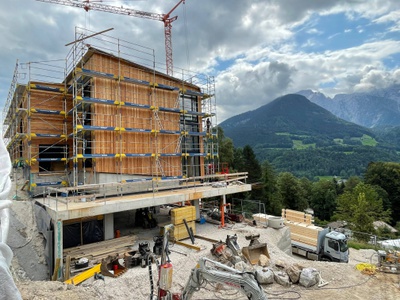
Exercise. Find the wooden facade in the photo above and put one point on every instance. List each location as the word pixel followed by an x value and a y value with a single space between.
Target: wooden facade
pixel 109 116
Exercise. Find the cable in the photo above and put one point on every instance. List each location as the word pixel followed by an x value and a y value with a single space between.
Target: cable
pixel 282 293
pixel 347 286
pixel 148 258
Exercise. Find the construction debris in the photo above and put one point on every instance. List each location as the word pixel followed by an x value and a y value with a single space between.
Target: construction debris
pixel 112 267
pixel 84 275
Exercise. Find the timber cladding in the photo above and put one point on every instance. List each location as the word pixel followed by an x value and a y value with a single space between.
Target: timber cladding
pixel 45 123
pixel 136 141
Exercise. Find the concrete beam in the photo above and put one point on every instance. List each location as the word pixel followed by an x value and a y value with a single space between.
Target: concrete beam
pixel 67 211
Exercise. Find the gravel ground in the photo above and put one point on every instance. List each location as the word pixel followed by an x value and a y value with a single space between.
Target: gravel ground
pixel 344 280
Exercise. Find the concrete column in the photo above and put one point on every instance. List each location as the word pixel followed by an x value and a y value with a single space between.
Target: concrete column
pixel 108 224
pixel 196 204
pixel 58 246
pixel 224 202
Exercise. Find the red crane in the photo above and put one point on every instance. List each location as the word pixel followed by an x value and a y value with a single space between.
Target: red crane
pixel 165 18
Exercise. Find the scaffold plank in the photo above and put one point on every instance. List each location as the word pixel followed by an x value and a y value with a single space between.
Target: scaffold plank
pixel 47 135
pixel 46 88
pixel 48 159
pixel 47 111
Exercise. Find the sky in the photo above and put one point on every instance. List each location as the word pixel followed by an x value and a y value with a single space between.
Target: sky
pixel 257 50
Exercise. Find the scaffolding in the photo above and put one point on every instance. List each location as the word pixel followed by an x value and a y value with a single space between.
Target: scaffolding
pixel 107 115
pixel 35 124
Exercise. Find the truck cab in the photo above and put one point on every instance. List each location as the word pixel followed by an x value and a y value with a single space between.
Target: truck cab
pixel 335 247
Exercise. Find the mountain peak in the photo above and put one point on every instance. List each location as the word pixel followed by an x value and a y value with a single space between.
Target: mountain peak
pixel 379 107
pixel 291 114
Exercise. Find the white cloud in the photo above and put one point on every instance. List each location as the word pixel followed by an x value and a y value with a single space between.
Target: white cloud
pixel 257 37
pixel 314 31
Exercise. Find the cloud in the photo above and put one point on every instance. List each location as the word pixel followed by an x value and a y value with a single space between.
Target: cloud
pixel 250 46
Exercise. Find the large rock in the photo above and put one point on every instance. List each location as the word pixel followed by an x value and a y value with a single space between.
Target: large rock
pixel 284 242
pixel 294 272
pixel 263 260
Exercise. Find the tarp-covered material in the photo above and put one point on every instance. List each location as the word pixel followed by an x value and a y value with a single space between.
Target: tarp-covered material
pixel 92 232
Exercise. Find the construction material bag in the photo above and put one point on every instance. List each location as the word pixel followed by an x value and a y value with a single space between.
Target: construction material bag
pixel 265 276
pixel 309 277
pixel 282 278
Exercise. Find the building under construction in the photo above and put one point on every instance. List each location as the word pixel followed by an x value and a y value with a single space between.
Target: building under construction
pixel 104 131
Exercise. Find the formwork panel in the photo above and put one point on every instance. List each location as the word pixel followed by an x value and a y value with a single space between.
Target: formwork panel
pixel 180 232
pixel 186 212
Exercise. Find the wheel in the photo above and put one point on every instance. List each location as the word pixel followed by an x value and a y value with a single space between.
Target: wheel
pixel 326 258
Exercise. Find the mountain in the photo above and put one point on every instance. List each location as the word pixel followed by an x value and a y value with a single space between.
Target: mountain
pixel 377 108
pixel 287 118
pixel 296 135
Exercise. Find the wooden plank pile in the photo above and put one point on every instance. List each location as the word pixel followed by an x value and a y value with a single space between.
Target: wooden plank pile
pixel 304 233
pixel 302 228
pixel 177 216
pixel 297 216
pixel 97 251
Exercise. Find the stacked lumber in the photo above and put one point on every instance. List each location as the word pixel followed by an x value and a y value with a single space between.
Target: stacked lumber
pixel 187 213
pixel 98 251
pixel 297 216
pixel 304 233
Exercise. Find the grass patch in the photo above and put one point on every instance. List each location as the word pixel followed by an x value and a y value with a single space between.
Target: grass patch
pixel 368 141
pixel 292 135
pixel 338 141
pixel 359 245
pixel 298 144
pixel 327 177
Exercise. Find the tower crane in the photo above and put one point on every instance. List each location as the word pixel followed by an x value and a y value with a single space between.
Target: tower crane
pixel 165 18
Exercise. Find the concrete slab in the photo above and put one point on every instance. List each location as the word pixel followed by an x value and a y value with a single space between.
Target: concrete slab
pixel 61 210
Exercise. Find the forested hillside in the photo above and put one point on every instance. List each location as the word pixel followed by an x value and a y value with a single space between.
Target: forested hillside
pixel 296 135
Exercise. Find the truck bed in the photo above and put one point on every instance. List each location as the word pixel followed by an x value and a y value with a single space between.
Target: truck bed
pixel 307 236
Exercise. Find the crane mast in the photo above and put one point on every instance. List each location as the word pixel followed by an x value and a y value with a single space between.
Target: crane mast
pixel 165 18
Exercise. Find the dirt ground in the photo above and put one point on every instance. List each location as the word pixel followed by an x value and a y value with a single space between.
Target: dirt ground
pixel 344 280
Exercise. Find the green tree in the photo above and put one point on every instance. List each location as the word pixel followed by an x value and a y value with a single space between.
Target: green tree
pixel 275 205
pixel 238 164
pixel 251 165
pixel 351 183
pixel 291 192
pixel 272 201
pixel 306 185
pixel 360 208
pixel 226 151
pixel 387 176
pixel 323 199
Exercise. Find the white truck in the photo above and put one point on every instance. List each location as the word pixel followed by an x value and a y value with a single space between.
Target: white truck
pixel 329 246
pixel 314 242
